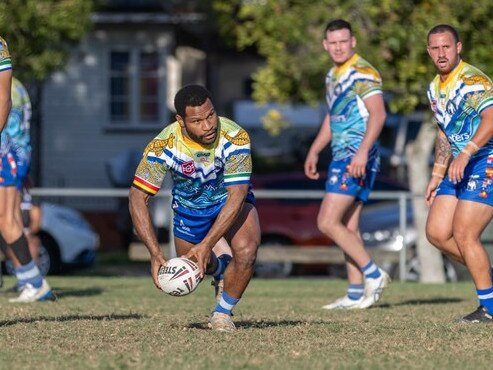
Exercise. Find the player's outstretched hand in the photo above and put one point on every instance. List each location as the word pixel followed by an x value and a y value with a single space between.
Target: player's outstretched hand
pixel 156 263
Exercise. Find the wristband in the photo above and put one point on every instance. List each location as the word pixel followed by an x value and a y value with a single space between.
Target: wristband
pixel 439 169
pixel 474 145
pixel 466 152
pixel 470 149
pixel 437 175
pixel 440 165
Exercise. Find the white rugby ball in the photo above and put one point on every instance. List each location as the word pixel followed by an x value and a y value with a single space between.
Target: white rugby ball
pixel 179 277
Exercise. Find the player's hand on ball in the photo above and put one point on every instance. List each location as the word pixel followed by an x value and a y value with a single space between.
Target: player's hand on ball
pixel 200 253
pixel 156 263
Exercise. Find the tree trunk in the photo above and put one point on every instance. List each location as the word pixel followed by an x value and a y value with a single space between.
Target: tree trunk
pixel 418 154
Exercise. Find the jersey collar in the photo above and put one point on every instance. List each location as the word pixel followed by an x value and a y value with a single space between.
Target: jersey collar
pixel 452 75
pixel 343 68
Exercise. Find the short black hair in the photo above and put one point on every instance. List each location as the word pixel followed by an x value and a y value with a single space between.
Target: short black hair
pixel 442 28
pixel 190 96
pixel 338 24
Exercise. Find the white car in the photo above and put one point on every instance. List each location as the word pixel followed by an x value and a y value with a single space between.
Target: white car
pixel 67 240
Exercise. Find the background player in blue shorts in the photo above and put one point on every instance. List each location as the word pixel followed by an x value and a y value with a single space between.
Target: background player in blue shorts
pixel 15 155
pixel 460 190
pixel 352 125
pixel 5 83
pixel 209 160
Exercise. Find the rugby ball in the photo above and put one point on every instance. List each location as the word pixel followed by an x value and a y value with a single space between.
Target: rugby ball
pixel 179 277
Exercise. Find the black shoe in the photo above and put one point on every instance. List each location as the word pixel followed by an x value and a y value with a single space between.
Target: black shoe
pixel 480 315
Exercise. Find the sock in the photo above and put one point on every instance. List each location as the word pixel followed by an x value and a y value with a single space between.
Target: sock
pixel 485 297
pixel 371 270
pixel 3 246
pixel 355 291
pixel 222 263
pixel 29 274
pixel 21 250
pixel 226 304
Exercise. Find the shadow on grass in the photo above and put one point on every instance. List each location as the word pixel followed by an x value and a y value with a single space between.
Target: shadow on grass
pixel 415 302
pixel 109 317
pixel 257 324
pixel 63 293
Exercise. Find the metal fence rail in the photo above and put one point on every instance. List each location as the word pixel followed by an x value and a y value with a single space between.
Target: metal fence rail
pixel 400 196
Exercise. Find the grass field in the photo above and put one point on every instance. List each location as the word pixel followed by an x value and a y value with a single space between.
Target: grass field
pixel 125 323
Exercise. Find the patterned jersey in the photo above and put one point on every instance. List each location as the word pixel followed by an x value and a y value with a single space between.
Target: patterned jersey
pixel 457 104
pixel 5 62
pixel 346 87
pixel 200 173
pixel 16 134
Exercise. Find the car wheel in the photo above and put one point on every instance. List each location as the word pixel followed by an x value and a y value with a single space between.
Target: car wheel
pixel 49 254
pixel 273 269
pixel 48 258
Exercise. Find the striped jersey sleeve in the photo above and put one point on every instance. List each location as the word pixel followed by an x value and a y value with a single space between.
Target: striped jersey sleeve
pixel 367 79
pixel 152 168
pixel 5 60
pixel 238 160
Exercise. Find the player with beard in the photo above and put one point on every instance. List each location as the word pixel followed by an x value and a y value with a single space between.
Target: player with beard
pixel 460 190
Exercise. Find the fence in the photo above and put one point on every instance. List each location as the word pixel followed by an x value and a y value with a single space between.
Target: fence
pixel 313 254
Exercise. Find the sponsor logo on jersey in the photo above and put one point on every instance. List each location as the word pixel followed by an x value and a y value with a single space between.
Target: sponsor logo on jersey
pixel 188 168
pixel 451 108
pixel 338 118
pixel 459 137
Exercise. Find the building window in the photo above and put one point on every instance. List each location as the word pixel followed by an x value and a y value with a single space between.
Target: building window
pixel 149 86
pixel 120 86
pixel 134 88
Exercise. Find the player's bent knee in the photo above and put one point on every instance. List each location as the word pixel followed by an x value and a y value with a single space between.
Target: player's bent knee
pixel 327 227
pixel 436 236
pixel 246 255
pixel 464 237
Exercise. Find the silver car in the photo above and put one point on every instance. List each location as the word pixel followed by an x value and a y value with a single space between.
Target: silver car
pixel 67 240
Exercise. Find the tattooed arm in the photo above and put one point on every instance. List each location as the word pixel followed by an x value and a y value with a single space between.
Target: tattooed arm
pixel 443 154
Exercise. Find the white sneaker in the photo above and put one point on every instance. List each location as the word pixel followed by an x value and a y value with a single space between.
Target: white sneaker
pixel 374 289
pixel 221 322
pixel 32 294
pixel 344 303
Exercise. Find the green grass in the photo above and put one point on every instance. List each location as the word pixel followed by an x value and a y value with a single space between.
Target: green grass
pixel 125 323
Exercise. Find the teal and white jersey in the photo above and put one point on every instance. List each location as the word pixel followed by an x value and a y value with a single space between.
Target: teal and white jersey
pixel 200 173
pixel 346 88
pixel 457 104
pixel 5 61
pixel 16 134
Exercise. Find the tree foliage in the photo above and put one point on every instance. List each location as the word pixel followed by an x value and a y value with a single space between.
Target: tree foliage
pixel 391 35
pixel 39 33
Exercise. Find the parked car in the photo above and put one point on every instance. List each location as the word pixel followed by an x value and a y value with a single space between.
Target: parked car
pixel 67 240
pixel 293 222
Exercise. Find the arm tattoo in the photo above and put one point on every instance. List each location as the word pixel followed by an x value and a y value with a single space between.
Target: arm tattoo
pixel 443 152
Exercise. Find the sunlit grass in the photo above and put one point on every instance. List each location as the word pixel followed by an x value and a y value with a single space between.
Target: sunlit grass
pixel 124 322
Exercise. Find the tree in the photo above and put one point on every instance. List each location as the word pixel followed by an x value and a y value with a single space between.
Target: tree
pixel 391 35
pixel 40 34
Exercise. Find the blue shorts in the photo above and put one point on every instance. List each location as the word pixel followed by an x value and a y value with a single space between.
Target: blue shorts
pixel 13 172
pixel 339 180
pixel 476 185
pixel 193 225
